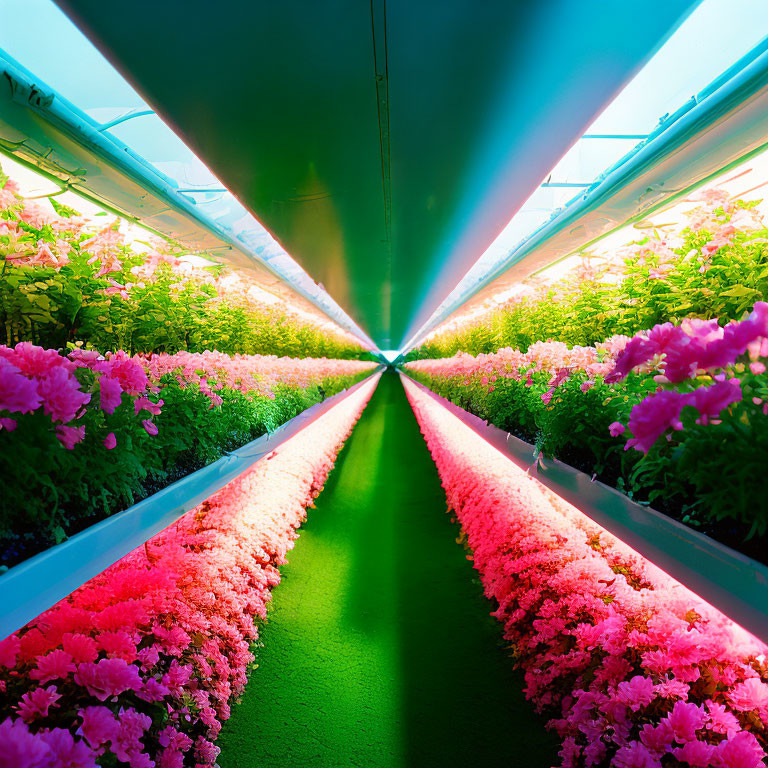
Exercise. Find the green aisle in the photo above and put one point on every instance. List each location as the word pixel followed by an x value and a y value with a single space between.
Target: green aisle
pixel 379 650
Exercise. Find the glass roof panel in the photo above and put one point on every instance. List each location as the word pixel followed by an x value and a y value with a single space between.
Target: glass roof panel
pixel 43 40
pixel 712 39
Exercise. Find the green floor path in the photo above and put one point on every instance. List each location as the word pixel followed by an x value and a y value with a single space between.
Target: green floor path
pixel 379 649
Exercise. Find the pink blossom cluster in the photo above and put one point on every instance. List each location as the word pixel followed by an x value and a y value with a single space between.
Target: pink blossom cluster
pixel 141 663
pixel 107 248
pixel 36 379
pixel 552 357
pixel 33 378
pixel 249 374
pixel 694 351
pixel 633 669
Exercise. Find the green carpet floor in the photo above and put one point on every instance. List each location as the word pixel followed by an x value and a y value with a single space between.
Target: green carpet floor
pixel 379 649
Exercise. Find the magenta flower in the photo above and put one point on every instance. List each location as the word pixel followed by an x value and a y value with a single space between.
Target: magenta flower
pixel 110 393
pixel 741 750
pixel 61 395
pixel 99 726
pixel 82 648
pixel 616 428
pixel 697 754
pixel 638 351
pixel 56 665
pixel 636 693
pixel 36 703
pixel 108 677
pixel 70 436
pixel 150 426
pixel 653 416
pixel 685 719
pixel 9 425
pixel 713 400
pixel 634 755
pixel 22 749
pixel 110 441
pixel 17 393
pixel 66 751
pixel 752 694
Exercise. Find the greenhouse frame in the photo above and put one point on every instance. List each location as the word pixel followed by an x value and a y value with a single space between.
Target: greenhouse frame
pixel 384 384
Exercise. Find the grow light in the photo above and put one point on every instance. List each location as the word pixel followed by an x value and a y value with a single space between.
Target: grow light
pixel 662 88
pixel 747 181
pixel 61 56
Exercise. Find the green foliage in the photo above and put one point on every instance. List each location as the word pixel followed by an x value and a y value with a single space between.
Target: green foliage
pixel 706 474
pixel 50 492
pixel 139 306
pixel 653 284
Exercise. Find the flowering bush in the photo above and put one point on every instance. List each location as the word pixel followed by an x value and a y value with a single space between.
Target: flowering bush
pixel 694 398
pixel 717 266
pixel 634 670
pixel 65 279
pixel 140 664
pixel 85 435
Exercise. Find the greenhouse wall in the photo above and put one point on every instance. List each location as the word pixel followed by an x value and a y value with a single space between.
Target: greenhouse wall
pixel 383 385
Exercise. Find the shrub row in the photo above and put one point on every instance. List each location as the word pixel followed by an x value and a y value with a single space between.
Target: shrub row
pixel 631 668
pixel 140 665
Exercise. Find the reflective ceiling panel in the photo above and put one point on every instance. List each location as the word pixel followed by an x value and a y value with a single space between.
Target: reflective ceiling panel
pixel 384 144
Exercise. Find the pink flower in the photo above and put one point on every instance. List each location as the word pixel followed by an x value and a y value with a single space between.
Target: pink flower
pixel 35 703
pixel 61 395
pixel 81 648
pixel 750 695
pixel 721 720
pixel 650 418
pixel 110 441
pixel 616 429
pixel 672 689
pixel 55 665
pixel 118 645
pixel 108 677
pixel 150 426
pixel 68 753
pixel 9 425
pixel 145 404
pixel 711 401
pixel 70 436
pixel 128 372
pixel 22 749
pixel 636 693
pixel 685 719
pixel 9 650
pixel 634 755
pixel 739 751
pixel 110 393
pixel 206 751
pixel 99 726
pixel 698 754
pixel 17 393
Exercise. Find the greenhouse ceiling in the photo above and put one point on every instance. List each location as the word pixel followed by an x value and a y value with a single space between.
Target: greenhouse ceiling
pixel 384 145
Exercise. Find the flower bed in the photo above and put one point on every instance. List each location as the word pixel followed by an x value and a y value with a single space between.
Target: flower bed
pixel 633 669
pixel 85 435
pixel 67 278
pixel 688 400
pixel 715 266
pixel 142 663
